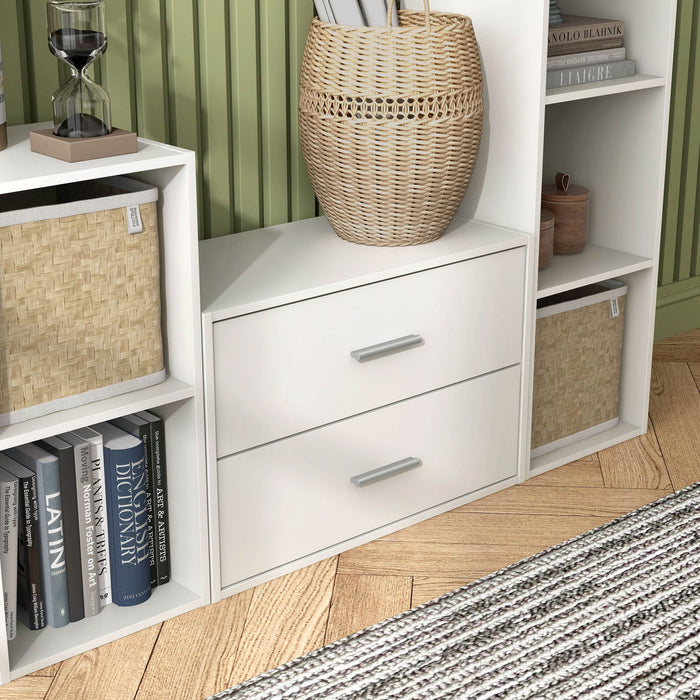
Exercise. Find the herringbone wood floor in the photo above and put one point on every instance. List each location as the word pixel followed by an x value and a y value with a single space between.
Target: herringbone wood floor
pixel 207 650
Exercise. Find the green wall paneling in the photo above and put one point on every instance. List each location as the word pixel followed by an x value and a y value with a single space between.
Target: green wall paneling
pixel 216 76
pixel 678 304
pixel 221 77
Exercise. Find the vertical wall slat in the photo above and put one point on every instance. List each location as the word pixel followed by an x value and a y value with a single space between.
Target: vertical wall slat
pixel 16 79
pixel 117 66
pixel 686 232
pixel 43 66
pixel 180 22
pixel 151 70
pixel 274 110
pixel 216 139
pixel 676 141
pixel 245 117
pixel 303 201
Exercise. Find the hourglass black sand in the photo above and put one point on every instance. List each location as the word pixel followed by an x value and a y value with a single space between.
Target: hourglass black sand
pixel 81 107
pixel 82 123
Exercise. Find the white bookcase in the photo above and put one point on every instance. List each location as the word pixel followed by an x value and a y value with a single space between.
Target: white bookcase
pixel 610 137
pixel 179 399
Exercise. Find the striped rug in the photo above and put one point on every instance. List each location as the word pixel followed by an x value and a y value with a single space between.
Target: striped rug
pixel 613 613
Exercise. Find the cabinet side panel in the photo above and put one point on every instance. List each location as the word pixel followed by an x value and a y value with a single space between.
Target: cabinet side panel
pixel 505 185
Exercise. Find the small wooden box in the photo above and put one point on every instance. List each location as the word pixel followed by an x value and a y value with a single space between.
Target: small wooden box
pixel 569 204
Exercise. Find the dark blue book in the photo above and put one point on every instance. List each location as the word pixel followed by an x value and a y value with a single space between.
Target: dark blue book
pixel 52 548
pixel 127 515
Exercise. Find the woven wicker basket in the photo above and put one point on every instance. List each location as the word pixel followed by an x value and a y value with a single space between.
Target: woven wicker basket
pixel 79 295
pixel 390 124
pixel 578 356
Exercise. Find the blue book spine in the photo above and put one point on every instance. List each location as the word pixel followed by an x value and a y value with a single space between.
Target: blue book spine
pixel 127 513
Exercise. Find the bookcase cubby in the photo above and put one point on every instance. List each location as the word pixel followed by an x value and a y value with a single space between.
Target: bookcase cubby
pixel 178 399
pixel 609 136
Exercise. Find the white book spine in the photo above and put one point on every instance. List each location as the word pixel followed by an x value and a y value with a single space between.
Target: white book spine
pixel 347 12
pixel 8 553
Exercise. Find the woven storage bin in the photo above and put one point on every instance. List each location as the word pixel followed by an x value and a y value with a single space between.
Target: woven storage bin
pixel 578 351
pixel 79 295
pixel 390 124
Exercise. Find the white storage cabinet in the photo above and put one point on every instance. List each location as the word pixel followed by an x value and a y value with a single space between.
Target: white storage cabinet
pixel 179 399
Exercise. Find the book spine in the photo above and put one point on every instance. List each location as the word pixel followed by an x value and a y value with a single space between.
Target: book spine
pixel 584 46
pixel 8 554
pixel 91 592
pixel 52 546
pixel 71 534
pixel 161 505
pixel 590 74
pixel 101 529
pixel 586 58
pixel 128 524
pixel 562 34
pixel 30 599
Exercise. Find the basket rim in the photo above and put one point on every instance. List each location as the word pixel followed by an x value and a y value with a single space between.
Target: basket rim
pixel 401 31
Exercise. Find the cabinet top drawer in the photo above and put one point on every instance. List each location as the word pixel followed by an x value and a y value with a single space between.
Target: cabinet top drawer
pixel 291 368
pixel 256 270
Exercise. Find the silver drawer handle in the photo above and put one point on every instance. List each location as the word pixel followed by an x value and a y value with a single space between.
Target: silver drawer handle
pixel 387 470
pixel 372 351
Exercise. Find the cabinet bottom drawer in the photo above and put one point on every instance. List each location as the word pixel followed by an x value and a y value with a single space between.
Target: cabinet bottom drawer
pixel 299 495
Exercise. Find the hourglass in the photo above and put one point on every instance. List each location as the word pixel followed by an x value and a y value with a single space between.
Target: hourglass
pixel 81 107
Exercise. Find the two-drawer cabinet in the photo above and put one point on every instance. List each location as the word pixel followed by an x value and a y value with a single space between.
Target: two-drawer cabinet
pixel 337 411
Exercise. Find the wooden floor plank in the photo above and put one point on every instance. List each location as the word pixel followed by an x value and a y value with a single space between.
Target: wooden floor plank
pixel 426 588
pixel 212 633
pixel 443 560
pixel 460 527
pixel 31 687
pixel 582 472
pixel 48 671
pixel 111 671
pixel 680 348
pixel 564 500
pixel 361 601
pixel 675 414
pixel 287 618
pixel 635 464
pixel 695 371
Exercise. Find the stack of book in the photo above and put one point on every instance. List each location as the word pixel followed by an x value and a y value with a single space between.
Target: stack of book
pixel 84 522
pixel 586 50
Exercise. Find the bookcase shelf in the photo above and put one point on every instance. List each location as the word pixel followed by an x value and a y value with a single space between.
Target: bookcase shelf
pixel 609 87
pixel 179 399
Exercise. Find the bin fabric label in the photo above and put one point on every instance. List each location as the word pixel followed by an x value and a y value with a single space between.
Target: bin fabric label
pixel 614 308
pixel 133 219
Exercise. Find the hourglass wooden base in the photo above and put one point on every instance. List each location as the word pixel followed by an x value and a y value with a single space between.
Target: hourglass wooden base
pixel 72 150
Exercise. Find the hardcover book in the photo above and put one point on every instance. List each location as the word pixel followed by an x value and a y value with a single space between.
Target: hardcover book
pixel 347 12
pixel 141 428
pixel 8 548
pixel 86 522
pixel 576 30
pixel 52 547
pixel 94 439
pixel 69 498
pixel 30 601
pixel 590 74
pixel 160 492
pixel 585 58
pixel 127 515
